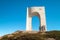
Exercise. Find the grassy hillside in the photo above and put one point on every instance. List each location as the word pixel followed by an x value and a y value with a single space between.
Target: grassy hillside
pixel 19 35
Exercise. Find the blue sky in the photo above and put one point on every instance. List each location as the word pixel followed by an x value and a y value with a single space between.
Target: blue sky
pixel 13 15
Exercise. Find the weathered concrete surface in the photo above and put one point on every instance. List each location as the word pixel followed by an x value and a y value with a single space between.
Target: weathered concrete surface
pixel 36 11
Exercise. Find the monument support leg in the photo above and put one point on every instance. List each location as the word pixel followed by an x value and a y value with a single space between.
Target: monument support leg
pixel 29 20
pixel 43 23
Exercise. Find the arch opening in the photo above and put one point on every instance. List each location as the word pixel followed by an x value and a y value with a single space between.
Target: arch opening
pixel 35 23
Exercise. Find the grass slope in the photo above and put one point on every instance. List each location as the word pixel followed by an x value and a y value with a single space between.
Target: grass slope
pixel 19 35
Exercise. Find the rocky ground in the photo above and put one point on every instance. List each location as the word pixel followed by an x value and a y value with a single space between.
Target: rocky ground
pixel 22 35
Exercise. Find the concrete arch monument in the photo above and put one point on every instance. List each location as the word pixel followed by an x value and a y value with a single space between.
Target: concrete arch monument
pixel 36 11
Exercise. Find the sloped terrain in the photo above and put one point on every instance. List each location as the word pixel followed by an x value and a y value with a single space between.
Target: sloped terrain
pixel 20 35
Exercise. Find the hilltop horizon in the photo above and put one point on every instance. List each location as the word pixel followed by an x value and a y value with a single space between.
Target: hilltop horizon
pixel 13 15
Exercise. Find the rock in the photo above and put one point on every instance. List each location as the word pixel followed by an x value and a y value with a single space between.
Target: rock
pixel 50 39
pixel 10 35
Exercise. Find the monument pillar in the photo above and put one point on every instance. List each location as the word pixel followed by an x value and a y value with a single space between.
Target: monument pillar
pixel 29 20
